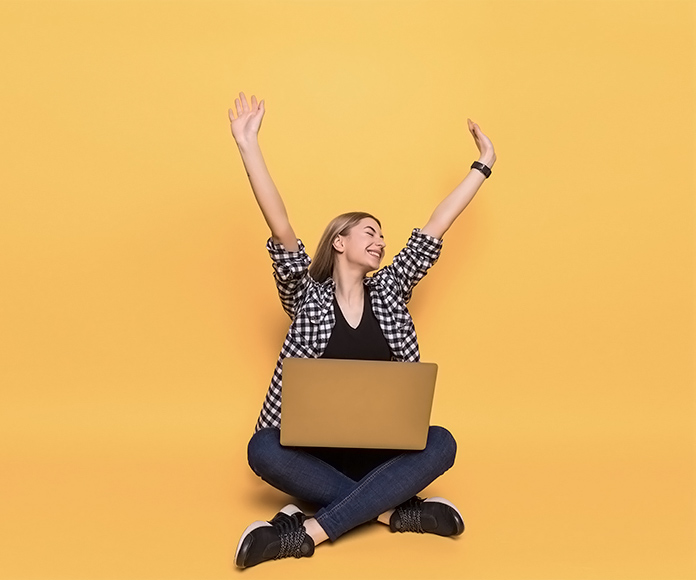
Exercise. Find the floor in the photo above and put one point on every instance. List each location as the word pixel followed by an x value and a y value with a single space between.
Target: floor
pixel 547 511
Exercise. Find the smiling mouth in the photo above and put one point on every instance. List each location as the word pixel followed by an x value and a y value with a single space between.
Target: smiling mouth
pixel 377 254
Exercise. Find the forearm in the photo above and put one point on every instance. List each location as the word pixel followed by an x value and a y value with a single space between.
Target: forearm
pixel 265 191
pixel 454 204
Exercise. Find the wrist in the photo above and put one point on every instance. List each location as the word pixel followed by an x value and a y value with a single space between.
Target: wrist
pixel 487 160
pixel 248 144
pixel 482 168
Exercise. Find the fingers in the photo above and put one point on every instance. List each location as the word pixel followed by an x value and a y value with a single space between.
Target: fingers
pixel 245 105
pixel 242 105
pixel 473 128
pixel 475 131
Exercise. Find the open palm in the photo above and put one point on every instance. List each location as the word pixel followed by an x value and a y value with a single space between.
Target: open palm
pixel 248 121
pixel 483 143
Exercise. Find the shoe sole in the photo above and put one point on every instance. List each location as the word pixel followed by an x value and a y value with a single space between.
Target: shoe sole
pixel 243 547
pixel 459 520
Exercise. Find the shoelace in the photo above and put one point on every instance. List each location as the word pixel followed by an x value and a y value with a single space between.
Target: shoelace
pixel 410 515
pixel 292 535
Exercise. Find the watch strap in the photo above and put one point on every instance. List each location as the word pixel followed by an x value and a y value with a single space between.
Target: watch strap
pixel 482 168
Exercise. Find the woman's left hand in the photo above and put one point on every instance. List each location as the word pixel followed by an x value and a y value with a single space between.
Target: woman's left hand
pixel 483 143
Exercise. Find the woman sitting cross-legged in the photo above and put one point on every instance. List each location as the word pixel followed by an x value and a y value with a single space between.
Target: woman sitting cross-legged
pixel 356 320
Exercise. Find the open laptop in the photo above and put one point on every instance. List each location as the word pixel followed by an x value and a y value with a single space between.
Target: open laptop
pixel 356 403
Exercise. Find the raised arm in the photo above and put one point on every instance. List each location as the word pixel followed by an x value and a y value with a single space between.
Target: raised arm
pixel 245 128
pixel 450 207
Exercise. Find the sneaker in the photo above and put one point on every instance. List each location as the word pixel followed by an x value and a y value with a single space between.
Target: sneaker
pixel 435 515
pixel 282 536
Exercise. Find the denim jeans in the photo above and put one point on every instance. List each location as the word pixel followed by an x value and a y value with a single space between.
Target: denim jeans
pixel 385 478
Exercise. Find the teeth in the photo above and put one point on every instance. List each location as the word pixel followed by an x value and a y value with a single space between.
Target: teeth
pixel 373 253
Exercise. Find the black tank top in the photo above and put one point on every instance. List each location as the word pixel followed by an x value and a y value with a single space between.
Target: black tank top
pixel 365 342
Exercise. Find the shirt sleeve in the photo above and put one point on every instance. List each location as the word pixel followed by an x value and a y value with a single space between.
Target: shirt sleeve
pixel 291 274
pixel 411 264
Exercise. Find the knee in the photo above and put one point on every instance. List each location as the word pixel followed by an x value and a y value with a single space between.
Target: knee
pixel 444 444
pixel 259 449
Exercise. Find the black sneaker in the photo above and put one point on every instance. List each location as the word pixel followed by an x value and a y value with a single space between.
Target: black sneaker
pixel 283 536
pixel 434 515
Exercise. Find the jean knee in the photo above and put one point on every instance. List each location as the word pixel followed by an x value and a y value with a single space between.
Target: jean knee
pixel 258 449
pixel 445 443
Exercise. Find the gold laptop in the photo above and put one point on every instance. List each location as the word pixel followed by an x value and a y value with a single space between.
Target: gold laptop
pixel 356 403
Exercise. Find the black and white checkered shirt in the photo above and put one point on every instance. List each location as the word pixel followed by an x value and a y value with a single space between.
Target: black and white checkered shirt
pixel 310 307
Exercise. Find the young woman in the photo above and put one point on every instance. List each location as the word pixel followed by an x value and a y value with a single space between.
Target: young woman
pixel 339 312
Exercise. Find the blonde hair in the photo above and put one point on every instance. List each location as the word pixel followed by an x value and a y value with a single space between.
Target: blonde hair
pixel 323 262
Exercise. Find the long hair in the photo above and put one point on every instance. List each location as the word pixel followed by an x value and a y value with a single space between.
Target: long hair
pixel 323 262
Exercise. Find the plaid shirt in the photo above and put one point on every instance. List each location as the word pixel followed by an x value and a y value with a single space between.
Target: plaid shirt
pixel 309 304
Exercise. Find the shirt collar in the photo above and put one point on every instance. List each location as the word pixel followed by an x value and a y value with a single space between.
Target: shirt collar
pixel 330 283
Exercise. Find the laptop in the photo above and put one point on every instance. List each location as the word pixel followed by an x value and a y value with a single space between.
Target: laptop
pixel 356 403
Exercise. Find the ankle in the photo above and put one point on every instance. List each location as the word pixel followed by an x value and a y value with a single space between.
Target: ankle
pixel 315 531
pixel 385 517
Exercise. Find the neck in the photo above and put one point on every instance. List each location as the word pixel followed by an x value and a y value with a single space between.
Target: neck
pixel 349 285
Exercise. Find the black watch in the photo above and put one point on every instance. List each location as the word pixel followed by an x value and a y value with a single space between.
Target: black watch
pixel 482 168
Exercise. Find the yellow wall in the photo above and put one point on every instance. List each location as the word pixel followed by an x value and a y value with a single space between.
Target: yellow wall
pixel 140 323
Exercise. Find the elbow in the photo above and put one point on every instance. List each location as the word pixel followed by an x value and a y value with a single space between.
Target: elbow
pixel 436 228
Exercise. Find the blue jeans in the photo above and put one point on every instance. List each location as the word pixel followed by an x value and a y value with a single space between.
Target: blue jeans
pixel 393 476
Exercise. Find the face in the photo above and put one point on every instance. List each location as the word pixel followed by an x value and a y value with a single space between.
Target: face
pixel 364 244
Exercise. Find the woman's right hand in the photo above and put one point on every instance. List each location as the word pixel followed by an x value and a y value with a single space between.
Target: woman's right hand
pixel 248 122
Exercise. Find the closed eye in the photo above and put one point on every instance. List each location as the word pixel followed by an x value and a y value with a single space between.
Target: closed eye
pixel 374 231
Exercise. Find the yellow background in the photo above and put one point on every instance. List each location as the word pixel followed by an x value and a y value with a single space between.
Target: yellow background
pixel 140 322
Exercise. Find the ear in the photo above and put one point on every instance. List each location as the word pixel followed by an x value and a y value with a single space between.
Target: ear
pixel 338 244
